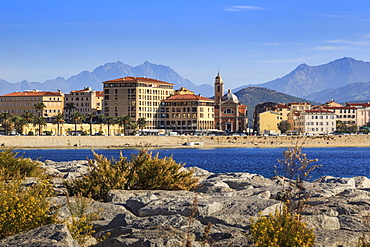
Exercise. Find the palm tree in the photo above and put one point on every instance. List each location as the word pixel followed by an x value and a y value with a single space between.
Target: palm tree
pixel 91 116
pixel 19 123
pixel 28 116
pixel 39 121
pixel 110 121
pixel 58 119
pixel 141 123
pixel 5 119
pixel 77 118
pixel 39 107
pixel 123 121
pixel 69 107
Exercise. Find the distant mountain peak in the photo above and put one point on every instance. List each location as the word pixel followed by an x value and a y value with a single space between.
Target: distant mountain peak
pixel 305 79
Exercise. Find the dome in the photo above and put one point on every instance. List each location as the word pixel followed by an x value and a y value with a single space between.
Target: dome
pixel 230 97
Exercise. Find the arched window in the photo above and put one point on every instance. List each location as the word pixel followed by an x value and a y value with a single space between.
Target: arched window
pixel 228 111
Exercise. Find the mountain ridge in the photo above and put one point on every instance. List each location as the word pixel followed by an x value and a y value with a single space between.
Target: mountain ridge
pixel 306 80
pixel 108 71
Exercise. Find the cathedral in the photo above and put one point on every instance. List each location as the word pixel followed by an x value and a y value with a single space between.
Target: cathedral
pixel 230 114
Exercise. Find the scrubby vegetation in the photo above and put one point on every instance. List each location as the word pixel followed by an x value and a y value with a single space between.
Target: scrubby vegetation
pixel 140 172
pixel 23 207
pixel 281 229
pixel 80 223
pixel 12 165
pixel 285 227
pixel 296 168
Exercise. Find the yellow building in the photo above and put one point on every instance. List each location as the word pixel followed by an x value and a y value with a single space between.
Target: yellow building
pixel 268 122
pixel 86 101
pixel 69 129
pixel 137 97
pixel 19 102
pixel 186 112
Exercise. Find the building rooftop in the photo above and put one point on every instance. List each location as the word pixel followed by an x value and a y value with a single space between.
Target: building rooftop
pixel 32 94
pixel 188 97
pixel 132 79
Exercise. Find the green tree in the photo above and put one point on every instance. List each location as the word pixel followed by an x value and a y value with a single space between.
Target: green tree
pixel 19 122
pixel 341 126
pixel 77 118
pixel 141 123
pixel 28 116
pixel 5 119
pixel 123 121
pixel 40 122
pixel 39 107
pixel 58 119
pixel 91 117
pixel 284 126
pixel 69 107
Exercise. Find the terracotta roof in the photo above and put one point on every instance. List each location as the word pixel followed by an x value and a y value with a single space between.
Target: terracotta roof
pixel 359 104
pixel 242 108
pixel 30 94
pixel 131 79
pixel 299 103
pixel 80 91
pixel 99 93
pixel 282 106
pixel 318 111
pixel 187 97
pixel 338 107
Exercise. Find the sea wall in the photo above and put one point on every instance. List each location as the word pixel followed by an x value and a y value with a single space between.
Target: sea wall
pixel 180 141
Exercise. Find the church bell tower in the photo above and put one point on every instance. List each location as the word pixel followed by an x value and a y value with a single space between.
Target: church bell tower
pixel 219 90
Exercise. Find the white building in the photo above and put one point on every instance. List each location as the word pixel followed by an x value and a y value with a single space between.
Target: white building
pixel 315 122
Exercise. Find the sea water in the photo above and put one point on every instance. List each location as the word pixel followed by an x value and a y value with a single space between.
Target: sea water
pixel 337 162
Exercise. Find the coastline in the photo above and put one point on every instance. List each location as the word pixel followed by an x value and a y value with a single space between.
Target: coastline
pixel 168 142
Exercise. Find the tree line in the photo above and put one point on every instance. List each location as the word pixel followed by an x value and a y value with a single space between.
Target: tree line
pixel 11 122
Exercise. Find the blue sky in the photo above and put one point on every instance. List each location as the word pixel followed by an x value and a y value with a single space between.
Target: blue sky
pixel 248 41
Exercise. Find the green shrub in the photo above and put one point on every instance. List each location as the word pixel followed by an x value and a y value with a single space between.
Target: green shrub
pixel 24 208
pixel 13 166
pixel 141 172
pixel 281 229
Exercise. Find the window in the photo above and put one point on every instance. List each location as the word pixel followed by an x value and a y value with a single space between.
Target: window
pixel 228 111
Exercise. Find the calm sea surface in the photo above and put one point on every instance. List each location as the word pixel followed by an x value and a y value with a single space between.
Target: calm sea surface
pixel 338 162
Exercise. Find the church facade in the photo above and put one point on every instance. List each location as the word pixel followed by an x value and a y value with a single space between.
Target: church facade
pixel 230 114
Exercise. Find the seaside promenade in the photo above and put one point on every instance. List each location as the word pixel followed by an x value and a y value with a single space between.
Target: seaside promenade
pixel 180 141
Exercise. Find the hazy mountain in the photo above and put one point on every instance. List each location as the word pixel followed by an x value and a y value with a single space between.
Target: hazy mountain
pixel 357 92
pixel 251 96
pixel 305 79
pixel 106 72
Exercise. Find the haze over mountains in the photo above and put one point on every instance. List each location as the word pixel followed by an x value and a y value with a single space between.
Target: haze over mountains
pixel 344 79
pixel 106 72
pixel 308 81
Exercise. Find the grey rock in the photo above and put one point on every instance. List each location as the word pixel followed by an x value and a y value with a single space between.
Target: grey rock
pixel 321 222
pixel 45 236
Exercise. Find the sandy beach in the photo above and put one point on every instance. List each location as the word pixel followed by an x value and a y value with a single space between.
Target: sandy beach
pixel 180 141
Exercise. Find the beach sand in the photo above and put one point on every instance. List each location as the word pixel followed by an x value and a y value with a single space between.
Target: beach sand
pixel 180 141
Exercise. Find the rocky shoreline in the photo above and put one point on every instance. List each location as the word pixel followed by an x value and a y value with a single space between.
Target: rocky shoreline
pixel 94 142
pixel 226 200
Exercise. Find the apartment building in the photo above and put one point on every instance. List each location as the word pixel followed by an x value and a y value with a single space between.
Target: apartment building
pixel 186 112
pixel 362 113
pixel 316 121
pixel 86 101
pixel 346 114
pixel 137 97
pixel 19 102
pixel 268 122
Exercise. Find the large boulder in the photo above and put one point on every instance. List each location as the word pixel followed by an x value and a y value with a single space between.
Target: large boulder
pixel 44 236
